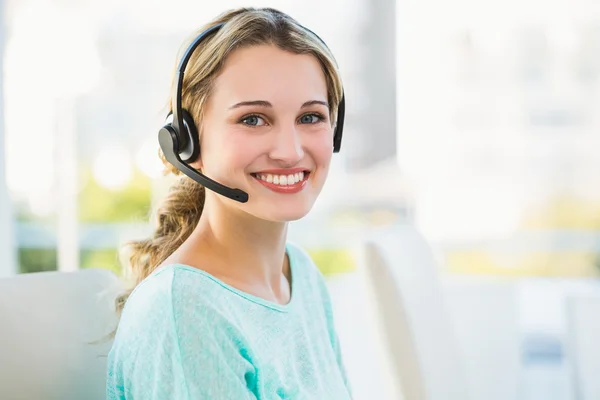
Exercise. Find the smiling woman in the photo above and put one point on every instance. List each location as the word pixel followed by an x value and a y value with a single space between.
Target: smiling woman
pixel 223 306
pixel 283 131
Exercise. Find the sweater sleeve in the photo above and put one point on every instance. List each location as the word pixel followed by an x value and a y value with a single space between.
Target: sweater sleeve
pixel 152 360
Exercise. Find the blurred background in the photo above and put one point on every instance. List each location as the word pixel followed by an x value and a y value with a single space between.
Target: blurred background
pixel 473 125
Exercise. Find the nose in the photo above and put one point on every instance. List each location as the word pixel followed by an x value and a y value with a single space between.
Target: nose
pixel 287 147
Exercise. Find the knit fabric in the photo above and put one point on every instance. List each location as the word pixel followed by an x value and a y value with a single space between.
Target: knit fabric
pixel 185 334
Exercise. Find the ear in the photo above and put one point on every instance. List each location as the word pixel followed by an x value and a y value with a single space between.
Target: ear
pixel 197 164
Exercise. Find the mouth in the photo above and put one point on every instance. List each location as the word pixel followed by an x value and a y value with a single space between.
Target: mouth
pixel 292 182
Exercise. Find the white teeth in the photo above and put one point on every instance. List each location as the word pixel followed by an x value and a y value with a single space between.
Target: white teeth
pixel 283 180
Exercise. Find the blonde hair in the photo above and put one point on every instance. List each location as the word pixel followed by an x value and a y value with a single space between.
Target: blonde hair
pixel 179 213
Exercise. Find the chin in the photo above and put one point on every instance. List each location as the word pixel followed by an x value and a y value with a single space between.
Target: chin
pixel 284 213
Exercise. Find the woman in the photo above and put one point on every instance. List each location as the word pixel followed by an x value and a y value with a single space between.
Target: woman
pixel 223 306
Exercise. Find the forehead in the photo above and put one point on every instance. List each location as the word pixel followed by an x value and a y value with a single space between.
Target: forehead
pixel 268 73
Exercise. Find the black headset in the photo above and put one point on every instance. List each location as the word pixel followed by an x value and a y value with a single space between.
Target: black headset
pixel 179 141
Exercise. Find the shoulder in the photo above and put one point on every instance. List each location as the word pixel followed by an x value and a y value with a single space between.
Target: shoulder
pixel 170 299
pixel 149 303
pixel 173 309
pixel 171 324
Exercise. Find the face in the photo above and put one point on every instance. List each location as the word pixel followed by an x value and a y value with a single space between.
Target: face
pixel 266 130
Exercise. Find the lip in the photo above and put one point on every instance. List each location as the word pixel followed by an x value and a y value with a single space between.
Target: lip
pixel 287 189
pixel 282 171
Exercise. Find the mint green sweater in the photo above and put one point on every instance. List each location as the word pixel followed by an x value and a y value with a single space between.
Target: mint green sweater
pixel 186 335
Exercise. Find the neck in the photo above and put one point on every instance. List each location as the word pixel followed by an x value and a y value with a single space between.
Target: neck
pixel 249 249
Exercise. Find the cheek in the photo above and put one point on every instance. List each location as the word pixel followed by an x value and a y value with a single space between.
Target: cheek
pixel 226 156
pixel 321 149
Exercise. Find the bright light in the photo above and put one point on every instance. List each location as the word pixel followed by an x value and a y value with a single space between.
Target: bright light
pixel 42 204
pixel 148 161
pixel 64 44
pixel 112 168
pixel 469 209
pixel 29 153
pixel 50 54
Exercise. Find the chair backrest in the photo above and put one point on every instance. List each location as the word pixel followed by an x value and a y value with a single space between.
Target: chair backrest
pixel 583 349
pixel 484 314
pixel 420 337
pixel 48 323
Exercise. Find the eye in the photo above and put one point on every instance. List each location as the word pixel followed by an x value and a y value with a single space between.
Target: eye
pixel 253 120
pixel 312 118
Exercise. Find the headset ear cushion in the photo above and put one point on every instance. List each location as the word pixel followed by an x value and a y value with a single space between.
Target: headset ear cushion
pixel 191 148
pixel 339 128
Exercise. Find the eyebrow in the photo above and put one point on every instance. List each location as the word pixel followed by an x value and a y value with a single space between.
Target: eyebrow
pixel 262 103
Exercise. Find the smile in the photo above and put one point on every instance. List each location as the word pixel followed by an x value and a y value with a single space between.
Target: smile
pixel 283 183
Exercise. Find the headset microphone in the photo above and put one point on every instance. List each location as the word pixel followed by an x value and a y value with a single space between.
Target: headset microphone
pixel 178 138
pixel 167 138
